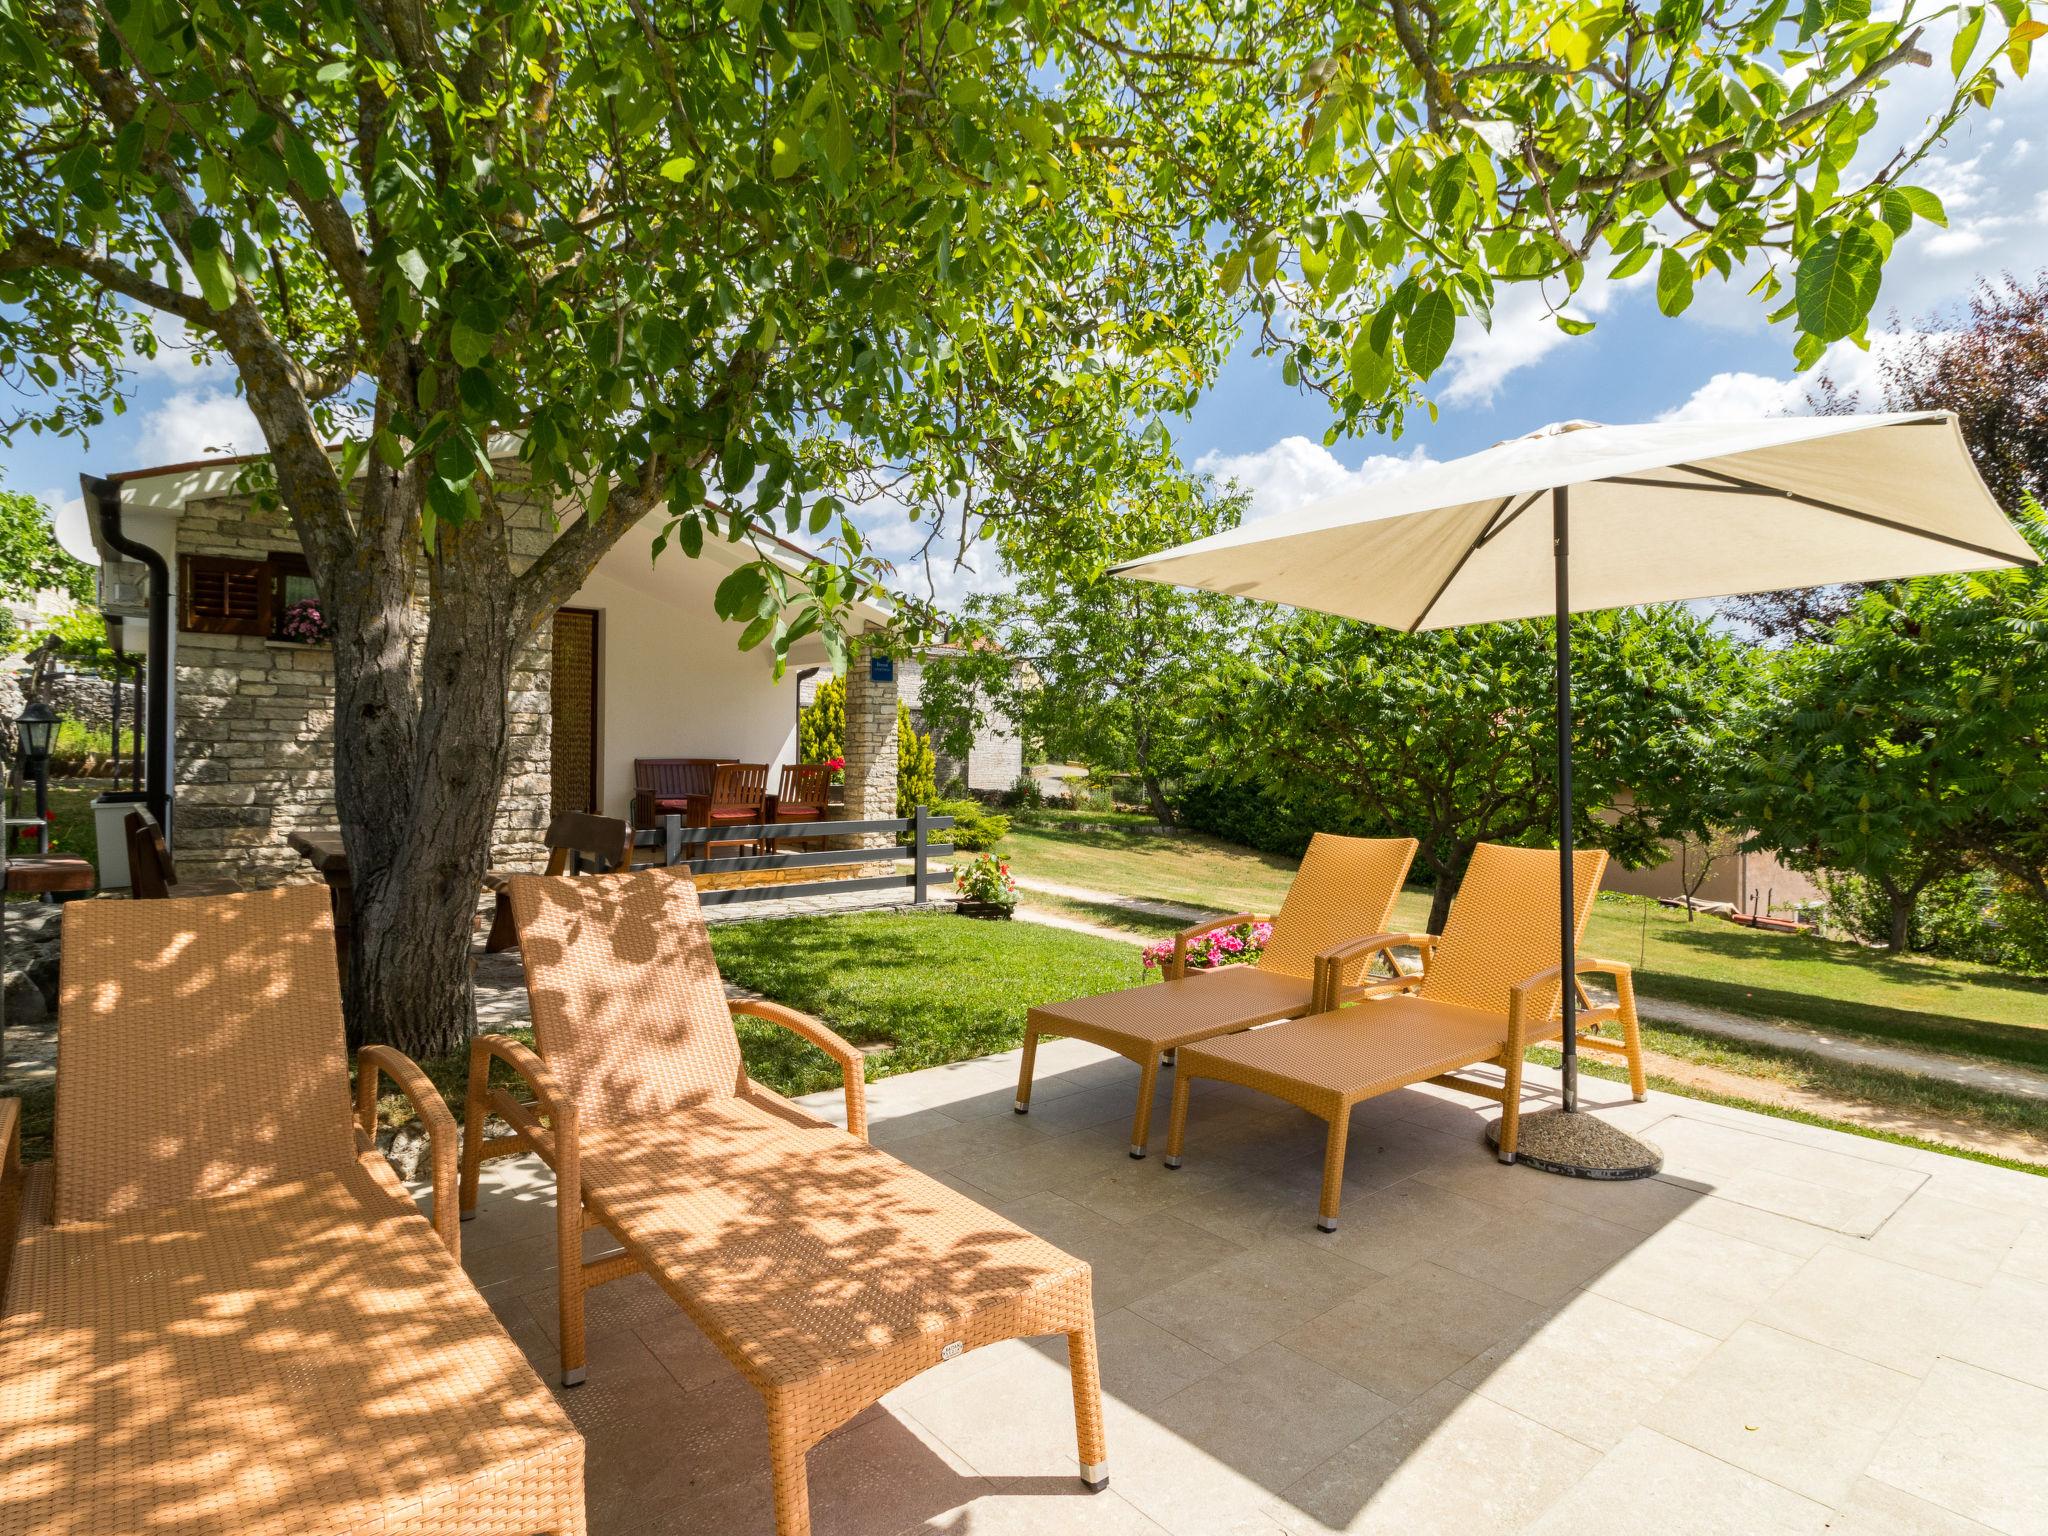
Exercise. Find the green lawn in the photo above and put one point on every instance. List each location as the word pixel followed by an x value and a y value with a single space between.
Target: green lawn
pixel 924 987
pixel 1942 1005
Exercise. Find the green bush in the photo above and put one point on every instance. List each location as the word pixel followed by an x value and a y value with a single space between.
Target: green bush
pixel 917 766
pixel 976 828
pixel 821 726
pixel 1968 917
pixel 1025 795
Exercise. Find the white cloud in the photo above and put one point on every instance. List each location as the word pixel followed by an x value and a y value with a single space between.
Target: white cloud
pixel 1523 333
pixel 195 424
pixel 1854 372
pixel 1295 472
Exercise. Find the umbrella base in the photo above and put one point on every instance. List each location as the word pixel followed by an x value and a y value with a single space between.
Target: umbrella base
pixel 1580 1146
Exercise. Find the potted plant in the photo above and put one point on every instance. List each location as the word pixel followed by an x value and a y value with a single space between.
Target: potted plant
pixel 1239 944
pixel 304 623
pixel 985 888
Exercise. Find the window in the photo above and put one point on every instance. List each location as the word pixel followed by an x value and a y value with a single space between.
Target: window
pixel 223 596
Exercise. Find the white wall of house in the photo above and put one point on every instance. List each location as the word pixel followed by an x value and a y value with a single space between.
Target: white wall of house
pixel 672 681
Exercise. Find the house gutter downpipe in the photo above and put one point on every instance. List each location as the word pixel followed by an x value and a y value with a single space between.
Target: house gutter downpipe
pixel 104 497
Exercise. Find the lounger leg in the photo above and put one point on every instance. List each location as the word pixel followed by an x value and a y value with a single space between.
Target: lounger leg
pixel 1511 1106
pixel 473 1134
pixel 790 1475
pixel 569 1263
pixel 1081 1364
pixel 1177 1118
pixel 1024 1067
pixel 1148 1084
pixel 1632 1035
pixel 1333 1168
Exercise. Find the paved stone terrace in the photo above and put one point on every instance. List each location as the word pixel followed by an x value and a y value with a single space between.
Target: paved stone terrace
pixel 1791 1330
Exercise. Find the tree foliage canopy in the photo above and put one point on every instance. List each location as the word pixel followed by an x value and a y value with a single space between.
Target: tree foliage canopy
pixel 1451 736
pixel 1914 742
pixel 31 559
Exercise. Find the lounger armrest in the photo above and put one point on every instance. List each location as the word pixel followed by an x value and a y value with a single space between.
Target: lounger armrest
pixel 10 1184
pixel 381 1061
pixel 1332 962
pixel 556 1141
pixel 1177 967
pixel 852 1063
pixel 1585 965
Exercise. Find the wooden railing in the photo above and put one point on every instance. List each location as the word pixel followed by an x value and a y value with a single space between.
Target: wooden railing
pixel 677 843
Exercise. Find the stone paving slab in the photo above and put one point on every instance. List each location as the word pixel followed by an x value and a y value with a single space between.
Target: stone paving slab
pixel 1476 1348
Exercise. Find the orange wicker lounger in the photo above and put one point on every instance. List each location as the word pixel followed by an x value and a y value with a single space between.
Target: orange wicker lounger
pixel 1487 992
pixel 1344 889
pixel 225 1317
pixel 826 1271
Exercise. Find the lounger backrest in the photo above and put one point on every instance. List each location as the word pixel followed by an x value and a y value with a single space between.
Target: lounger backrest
pixel 1345 889
pixel 628 1008
pixel 199 1049
pixel 1503 925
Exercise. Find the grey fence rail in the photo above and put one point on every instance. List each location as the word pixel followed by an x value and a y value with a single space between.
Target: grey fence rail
pixel 677 843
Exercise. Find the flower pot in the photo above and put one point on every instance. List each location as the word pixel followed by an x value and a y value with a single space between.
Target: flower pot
pixel 988 911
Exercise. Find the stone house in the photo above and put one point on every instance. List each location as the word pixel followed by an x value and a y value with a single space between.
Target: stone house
pixel 637 664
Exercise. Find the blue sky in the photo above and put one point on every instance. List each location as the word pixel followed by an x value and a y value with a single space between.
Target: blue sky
pixel 1720 358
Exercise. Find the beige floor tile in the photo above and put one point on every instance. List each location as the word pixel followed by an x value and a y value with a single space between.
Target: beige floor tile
pixel 1767 1229
pixel 1691 1274
pixel 1782 1170
pixel 1141 1362
pixel 1650 1483
pixel 1947 1237
pixel 1971 1441
pixel 1405 1223
pixel 2028 1259
pixel 1231 1307
pixel 1402 1335
pixel 1271 1416
pixel 1870 1307
pixel 1879 1509
pixel 1181 1486
pixel 1130 1261
pixel 1034 1509
pixel 1807 1417
pixel 1648 1205
pixel 1015 1420
pixel 2006 1330
pixel 1448 1462
pixel 1592 1370
pixel 1541 1252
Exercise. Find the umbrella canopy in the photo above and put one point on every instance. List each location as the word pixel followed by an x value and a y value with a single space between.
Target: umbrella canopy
pixel 1659 512
pixel 1578 517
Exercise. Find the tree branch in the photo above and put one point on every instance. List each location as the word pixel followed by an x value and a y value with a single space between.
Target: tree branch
pixel 31 248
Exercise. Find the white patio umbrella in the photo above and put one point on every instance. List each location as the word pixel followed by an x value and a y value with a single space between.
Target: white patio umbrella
pixel 1578 517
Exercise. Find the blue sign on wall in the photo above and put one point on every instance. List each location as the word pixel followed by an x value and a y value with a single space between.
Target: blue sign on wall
pixel 881 669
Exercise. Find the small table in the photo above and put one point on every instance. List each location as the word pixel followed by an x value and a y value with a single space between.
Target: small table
pixel 324 849
pixel 42 875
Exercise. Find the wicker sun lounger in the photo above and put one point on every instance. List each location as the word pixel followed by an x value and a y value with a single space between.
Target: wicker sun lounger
pixel 1487 992
pixel 826 1271
pixel 225 1316
pixel 1344 890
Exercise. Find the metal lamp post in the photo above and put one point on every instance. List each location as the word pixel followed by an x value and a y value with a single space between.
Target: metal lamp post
pixel 34 729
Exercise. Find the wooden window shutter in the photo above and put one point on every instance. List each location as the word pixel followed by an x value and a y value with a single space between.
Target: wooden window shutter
pixel 225 597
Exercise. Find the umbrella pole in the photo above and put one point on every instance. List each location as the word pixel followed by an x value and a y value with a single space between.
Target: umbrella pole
pixel 1568 995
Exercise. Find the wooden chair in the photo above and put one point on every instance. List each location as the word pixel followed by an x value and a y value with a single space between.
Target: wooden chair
pixel 802 795
pixel 739 798
pixel 152 875
pixel 665 786
pixel 604 841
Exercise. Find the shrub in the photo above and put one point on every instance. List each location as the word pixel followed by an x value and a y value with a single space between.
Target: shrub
pixel 917 767
pixel 821 726
pixel 976 828
pixel 1025 795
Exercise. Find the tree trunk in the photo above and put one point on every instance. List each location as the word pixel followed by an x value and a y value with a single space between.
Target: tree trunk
pixel 1899 938
pixel 420 747
pixel 1141 753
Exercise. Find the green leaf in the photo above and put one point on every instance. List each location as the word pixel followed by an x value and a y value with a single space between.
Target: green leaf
pixel 1674 283
pixel 1923 203
pixel 1426 340
pixel 1837 283
pixel 1572 325
pixel 469 346
pixel 678 168
pixel 690 535
pixel 414 266
pixel 1372 371
pixel 1966 41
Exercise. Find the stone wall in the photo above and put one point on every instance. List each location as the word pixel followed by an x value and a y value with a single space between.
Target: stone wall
pixel 254 756
pixel 870 748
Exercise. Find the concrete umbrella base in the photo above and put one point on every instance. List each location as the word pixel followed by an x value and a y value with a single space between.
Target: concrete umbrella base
pixel 1580 1146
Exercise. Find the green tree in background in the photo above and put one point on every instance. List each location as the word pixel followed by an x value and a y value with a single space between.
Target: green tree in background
pixel 723 267
pixel 917 766
pixel 1913 744
pixel 1088 668
pixel 31 559
pixel 1450 736
pixel 821 725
